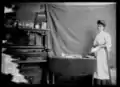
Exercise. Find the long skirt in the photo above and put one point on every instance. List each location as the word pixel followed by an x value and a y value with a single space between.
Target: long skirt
pixel 101 76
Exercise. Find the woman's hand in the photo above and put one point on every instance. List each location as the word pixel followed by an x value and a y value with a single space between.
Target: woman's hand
pixel 97 47
pixel 94 49
pixel 102 46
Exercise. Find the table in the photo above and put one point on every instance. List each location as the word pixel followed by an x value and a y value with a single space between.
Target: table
pixel 72 67
pixel 75 67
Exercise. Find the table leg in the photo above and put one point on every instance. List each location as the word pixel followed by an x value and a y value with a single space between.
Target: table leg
pixel 53 78
pixel 48 78
pixel 92 80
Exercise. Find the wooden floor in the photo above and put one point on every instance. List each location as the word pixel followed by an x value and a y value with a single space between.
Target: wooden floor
pixel 65 80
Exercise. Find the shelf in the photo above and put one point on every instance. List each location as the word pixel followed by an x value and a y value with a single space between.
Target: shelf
pixel 22 47
pixel 42 31
pixel 34 29
pixel 29 61
pixel 29 54
pixel 27 29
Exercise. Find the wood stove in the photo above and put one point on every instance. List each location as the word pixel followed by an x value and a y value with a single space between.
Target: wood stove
pixel 32 52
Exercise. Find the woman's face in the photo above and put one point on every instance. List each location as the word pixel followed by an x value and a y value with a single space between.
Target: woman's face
pixel 100 27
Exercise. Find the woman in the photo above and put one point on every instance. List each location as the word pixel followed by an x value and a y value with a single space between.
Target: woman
pixel 102 45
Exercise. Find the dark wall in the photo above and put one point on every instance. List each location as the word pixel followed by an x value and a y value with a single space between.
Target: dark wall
pixel 27 11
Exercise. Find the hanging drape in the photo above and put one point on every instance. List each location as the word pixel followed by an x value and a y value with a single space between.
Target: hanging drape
pixel 72 28
pixel 64 38
pixel 58 36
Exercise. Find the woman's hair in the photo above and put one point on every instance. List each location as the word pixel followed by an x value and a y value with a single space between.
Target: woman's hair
pixel 102 22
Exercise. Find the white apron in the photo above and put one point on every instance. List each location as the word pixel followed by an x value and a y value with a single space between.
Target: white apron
pixel 101 55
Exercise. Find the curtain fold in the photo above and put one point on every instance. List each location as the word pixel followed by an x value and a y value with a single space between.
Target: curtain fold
pixel 60 35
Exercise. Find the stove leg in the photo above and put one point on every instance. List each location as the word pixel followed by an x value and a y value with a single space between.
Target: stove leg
pixel 48 78
pixel 53 78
